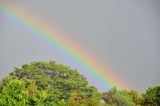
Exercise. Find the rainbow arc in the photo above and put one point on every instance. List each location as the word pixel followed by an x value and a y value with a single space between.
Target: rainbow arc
pixel 90 65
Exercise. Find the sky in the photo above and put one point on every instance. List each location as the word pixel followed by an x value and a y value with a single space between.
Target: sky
pixel 124 35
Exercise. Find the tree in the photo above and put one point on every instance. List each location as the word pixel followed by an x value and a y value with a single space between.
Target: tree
pixel 51 84
pixel 136 97
pixel 108 96
pixel 77 100
pixel 152 96
pixel 121 98
pixel 18 93
pixel 115 97
pixel 13 93
pixel 55 80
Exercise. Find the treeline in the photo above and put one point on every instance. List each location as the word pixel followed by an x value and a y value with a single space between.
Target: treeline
pixel 51 84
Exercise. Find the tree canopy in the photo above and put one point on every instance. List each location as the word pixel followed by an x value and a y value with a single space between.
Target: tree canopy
pixel 117 97
pixel 152 96
pixel 51 84
pixel 56 80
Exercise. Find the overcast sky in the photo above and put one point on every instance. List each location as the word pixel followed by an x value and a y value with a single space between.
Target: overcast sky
pixel 124 34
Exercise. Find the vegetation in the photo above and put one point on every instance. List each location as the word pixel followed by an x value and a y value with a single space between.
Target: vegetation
pixel 152 96
pixel 51 84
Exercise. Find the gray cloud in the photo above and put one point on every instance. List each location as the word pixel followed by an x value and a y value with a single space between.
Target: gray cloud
pixel 123 34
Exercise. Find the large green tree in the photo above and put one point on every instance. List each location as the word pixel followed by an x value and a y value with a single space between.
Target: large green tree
pixel 57 80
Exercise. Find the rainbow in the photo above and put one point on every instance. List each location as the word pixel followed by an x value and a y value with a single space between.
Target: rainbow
pixel 97 71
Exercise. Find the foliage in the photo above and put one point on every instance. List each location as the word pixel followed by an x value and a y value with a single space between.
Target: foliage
pixel 54 81
pixel 117 98
pixel 16 93
pixel 152 96
pixel 136 97
pixel 51 84
pixel 76 99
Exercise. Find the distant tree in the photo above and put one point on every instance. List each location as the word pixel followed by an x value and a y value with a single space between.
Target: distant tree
pixel 116 97
pixel 152 96
pixel 77 100
pixel 135 96
pixel 121 98
pixel 108 96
